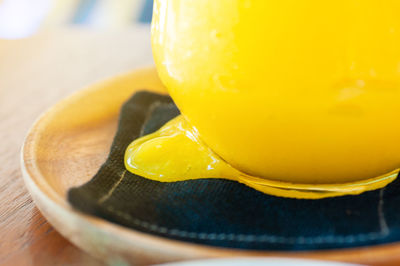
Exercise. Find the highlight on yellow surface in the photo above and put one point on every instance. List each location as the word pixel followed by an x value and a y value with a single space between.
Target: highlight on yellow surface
pixel 292 92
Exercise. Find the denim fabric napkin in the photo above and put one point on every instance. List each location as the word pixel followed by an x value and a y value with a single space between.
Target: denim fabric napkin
pixel 224 213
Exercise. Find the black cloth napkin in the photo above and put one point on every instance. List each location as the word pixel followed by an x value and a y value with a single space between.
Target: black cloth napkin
pixel 224 213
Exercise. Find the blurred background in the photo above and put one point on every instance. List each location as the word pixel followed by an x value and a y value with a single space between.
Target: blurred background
pixel 50 49
pixel 23 18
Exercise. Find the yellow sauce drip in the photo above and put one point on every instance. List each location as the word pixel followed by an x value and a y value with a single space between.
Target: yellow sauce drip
pixel 176 153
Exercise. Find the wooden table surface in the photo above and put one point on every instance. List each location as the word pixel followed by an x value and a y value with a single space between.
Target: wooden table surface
pixel 35 73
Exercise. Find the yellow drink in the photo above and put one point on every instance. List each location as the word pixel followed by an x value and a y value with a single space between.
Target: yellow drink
pixel 299 91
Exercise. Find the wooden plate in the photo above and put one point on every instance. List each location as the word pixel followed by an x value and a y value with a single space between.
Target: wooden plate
pixel 67 145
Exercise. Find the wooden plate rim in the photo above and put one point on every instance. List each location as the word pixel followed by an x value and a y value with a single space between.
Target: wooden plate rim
pixel 162 249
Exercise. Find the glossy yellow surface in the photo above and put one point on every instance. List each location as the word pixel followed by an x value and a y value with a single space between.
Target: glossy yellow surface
pixel 175 153
pixel 295 91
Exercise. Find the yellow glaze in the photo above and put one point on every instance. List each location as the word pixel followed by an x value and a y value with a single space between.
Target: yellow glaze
pixel 302 92
pixel 176 153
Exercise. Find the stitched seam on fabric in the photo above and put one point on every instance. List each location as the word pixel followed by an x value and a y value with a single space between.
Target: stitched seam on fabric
pixel 247 237
pixel 109 193
pixel 381 214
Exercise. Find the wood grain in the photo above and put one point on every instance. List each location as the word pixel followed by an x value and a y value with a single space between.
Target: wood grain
pixel 36 73
pixel 86 131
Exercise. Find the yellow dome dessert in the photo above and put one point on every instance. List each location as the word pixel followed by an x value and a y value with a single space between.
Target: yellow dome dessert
pixel 302 92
